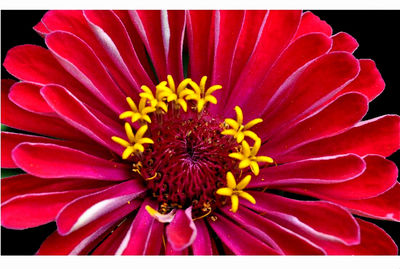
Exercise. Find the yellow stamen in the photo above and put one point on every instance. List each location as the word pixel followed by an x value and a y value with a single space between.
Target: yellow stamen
pixel 236 190
pixel 238 130
pixel 167 89
pixel 156 102
pixel 201 95
pixel 135 142
pixel 247 156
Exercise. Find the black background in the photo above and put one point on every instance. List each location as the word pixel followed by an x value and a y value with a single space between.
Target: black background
pixel 375 31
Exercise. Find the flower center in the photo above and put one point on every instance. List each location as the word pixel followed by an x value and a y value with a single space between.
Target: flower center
pixel 186 156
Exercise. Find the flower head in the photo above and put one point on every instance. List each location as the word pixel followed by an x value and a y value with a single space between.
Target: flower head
pixel 155 176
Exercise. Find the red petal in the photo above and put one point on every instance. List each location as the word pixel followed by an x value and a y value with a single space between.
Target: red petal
pixel 149 25
pixel 14 116
pixel 202 244
pixel 307 90
pixel 238 240
pixel 311 23
pixel 344 42
pixel 74 112
pixel 336 117
pixel 323 219
pixel 321 171
pixel 376 136
pixel 112 34
pixel 88 208
pixel 297 54
pixel 32 210
pixel 380 175
pixel 79 59
pixel 41 29
pixel 181 232
pixel 368 82
pixel 75 242
pixel 52 161
pixel 287 242
pixel 200 31
pixel 27 96
pixel 27 184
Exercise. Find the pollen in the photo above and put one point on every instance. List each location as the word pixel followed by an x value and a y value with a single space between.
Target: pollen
pixel 136 141
pixel 247 156
pixel 201 95
pixel 236 190
pixel 238 130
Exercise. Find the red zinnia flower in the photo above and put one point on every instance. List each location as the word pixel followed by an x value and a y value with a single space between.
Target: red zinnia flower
pixel 140 154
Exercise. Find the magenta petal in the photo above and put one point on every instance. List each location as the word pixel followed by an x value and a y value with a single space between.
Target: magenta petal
pixel 140 235
pixel 75 242
pixel 286 241
pixel 379 176
pixel 336 117
pixel 344 42
pixel 79 59
pixel 181 232
pixel 376 136
pixel 73 111
pixel 322 171
pixel 238 240
pixel 88 208
pixel 311 23
pixel 323 219
pixel 202 244
pixel 31 210
pixel 36 159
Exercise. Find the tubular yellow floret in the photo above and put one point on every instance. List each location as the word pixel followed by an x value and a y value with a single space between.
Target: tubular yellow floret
pixel 201 95
pixel 135 141
pixel 236 190
pixel 238 130
pixel 247 156
pixel 156 102
pixel 177 95
pixel 137 113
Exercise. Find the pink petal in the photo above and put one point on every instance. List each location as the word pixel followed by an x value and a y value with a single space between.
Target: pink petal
pixel 74 22
pixel 75 242
pixel 306 90
pixel 323 219
pixel 31 210
pixel 14 116
pixel 41 29
pixel 86 209
pixel 225 43
pixel 181 232
pixel 368 82
pixel 200 34
pixel 287 242
pixel 112 34
pixel 311 23
pixel 344 42
pixel 376 136
pixel 336 117
pixel 277 32
pixel 27 96
pixel 36 158
pixel 35 64
pixel 379 176
pixel 10 140
pixel 169 250
pixel 385 206
pixel 253 20
pixel 202 243
pixel 314 171
pixel 79 59
pixel 238 240
pixel 140 234
pixel 73 111
pixel 149 25
pixel 297 54
pixel 27 184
